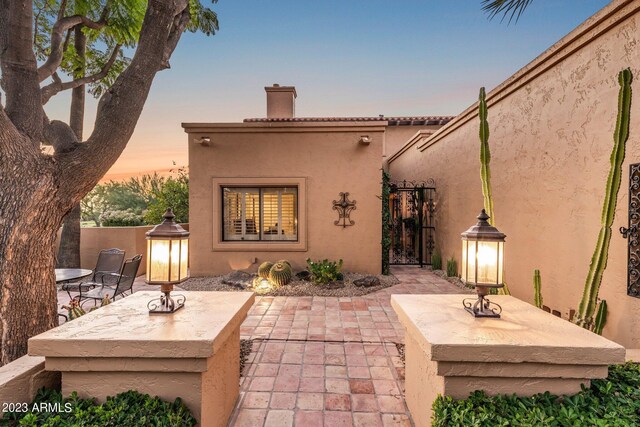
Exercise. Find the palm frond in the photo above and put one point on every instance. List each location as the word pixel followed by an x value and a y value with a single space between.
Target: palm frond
pixel 511 8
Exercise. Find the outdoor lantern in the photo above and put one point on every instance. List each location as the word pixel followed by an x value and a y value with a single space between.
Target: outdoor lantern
pixel 482 265
pixel 167 262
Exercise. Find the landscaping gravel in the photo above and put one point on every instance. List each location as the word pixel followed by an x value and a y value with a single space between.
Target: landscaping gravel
pixel 245 351
pixel 296 287
pixel 400 348
pixel 455 280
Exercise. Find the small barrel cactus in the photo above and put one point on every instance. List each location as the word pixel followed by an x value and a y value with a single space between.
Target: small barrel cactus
pixel 74 309
pixel 263 270
pixel 284 261
pixel 280 274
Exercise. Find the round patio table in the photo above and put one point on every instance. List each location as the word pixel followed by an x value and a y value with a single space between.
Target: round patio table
pixel 64 275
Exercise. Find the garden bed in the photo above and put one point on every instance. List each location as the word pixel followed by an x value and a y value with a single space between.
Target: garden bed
pixel 614 401
pixel 296 287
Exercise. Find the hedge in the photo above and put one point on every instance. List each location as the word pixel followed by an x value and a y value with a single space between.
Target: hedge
pixel 126 409
pixel 611 402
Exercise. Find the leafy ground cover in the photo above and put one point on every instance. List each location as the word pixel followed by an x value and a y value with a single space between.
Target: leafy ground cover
pixel 50 409
pixel 611 402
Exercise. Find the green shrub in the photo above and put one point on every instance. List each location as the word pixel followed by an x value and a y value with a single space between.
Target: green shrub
pixel 325 271
pixel 126 218
pixel 452 267
pixel 126 409
pixel 174 194
pixel 436 260
pixel 611 402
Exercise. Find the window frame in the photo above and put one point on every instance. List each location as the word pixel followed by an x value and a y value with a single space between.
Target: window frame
pixel 261 212
pixel 216 225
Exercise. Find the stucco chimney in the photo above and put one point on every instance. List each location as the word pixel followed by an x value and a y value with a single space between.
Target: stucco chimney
pixel 281 101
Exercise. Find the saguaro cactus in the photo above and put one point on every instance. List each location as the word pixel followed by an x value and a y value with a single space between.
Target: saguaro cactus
pixel 485 157
pixel 598 264
pixel 537 287
pixel 485 169
pixel 601 317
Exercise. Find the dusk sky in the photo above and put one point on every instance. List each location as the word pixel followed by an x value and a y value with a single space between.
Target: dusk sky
pixel 346 58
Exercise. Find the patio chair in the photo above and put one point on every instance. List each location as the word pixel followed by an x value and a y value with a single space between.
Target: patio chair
pixel 109 262
pixel 123 283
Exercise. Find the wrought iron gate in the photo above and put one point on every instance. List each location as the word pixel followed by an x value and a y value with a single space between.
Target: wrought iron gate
pixel 412 222
pixel 632 233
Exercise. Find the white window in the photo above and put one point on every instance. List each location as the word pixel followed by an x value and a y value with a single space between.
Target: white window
pixel 260 213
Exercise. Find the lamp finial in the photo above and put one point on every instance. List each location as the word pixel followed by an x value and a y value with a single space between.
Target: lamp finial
pixel 168 215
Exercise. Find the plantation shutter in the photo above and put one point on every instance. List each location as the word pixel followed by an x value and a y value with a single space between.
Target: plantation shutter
pixel 279 216
pixel 260 213
pixel 241 213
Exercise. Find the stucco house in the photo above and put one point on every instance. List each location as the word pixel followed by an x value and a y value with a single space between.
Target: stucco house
pixel 264 189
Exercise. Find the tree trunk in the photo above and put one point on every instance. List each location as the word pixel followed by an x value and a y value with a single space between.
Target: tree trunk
pixel 37 189
pixel 69 250
pixel 29 303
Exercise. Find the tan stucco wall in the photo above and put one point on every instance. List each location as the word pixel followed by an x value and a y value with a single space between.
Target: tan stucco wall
pixel 396 136
pixel 551 137
pixel 327 157
pixel 21 379
pixel 130 239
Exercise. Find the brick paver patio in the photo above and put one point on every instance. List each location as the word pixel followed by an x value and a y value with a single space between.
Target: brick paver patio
pixel 323 361
pixel 326 361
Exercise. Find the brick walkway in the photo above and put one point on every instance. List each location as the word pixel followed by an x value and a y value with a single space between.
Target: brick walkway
pixel 328 361
pixel 322 361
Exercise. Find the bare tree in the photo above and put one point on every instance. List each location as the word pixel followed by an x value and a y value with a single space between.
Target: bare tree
pixel 37 189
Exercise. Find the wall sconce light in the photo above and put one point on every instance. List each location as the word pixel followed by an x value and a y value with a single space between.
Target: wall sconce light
pixel 364 140
pixel 482 265
pixel 205 141
pixel 167 263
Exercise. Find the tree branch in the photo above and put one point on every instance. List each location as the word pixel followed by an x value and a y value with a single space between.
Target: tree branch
pixel 19 67
pixel 57 86
pixel 60 135
pixel 67 38
pixel 180 22
pixel 63 9
pixel 120 107
pixel 57 35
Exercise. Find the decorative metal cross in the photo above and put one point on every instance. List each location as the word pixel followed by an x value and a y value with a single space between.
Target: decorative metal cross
pixel 344 206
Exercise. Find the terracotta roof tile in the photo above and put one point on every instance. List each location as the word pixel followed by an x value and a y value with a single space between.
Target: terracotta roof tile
pixel 392 121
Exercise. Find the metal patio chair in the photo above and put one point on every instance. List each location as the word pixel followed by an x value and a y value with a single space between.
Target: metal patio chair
pixel 114 285
pixel 109 262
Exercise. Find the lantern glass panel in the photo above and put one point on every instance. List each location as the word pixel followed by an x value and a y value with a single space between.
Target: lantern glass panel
pixel 158 258
pixel 184 261
pixel 463 273
pixel 500 261
pixel 174 261
pixel 470 254
pixel 487 259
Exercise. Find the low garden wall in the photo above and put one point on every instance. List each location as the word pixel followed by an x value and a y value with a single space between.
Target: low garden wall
pixel 21 379
pixel 551 136
pixel 130 239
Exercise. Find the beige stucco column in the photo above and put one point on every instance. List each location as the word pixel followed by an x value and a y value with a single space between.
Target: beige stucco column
pixel 192 354
pixel 526 351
